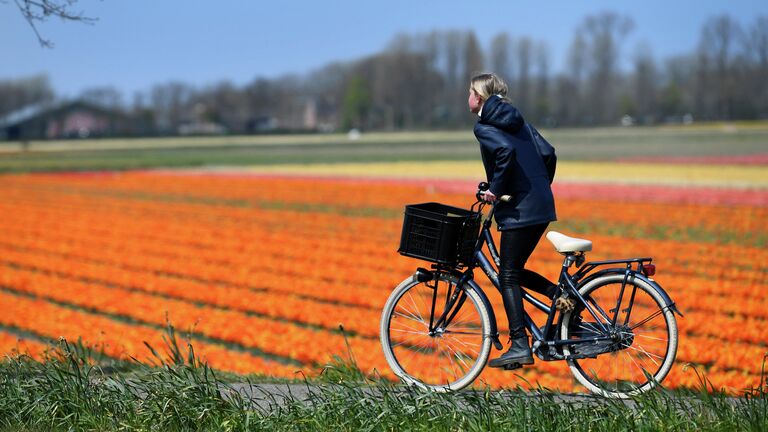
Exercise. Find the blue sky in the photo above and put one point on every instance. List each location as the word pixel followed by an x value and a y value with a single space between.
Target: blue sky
pixel 138 43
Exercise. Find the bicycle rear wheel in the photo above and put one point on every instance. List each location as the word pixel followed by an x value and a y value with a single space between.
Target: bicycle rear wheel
pixel 445 358
pixel 644 337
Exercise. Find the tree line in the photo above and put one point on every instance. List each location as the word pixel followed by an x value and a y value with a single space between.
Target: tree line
pixel 420 81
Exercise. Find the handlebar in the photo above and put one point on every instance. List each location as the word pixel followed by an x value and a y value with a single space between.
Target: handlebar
pixel 480 203
pixel 482 187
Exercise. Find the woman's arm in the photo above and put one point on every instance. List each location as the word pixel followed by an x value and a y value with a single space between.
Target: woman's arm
pixel 495 143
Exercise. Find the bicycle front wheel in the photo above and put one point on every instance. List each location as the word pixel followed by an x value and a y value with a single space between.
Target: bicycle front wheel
pixel 642 331
pixel 441 358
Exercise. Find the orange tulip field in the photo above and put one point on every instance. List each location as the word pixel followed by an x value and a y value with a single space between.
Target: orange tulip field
pixel 261 269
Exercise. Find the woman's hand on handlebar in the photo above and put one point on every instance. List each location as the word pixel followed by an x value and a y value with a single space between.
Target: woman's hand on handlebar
pixel 487 196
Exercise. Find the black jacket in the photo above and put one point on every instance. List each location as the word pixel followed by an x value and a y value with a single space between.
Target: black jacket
pixel 513 167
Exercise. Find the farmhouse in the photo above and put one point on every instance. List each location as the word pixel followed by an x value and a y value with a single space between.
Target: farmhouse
pixel 76 119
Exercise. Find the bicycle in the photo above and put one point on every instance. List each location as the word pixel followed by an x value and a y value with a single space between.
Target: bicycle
pixel 610 321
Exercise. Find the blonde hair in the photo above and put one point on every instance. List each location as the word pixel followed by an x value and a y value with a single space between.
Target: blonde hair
pixel 487 85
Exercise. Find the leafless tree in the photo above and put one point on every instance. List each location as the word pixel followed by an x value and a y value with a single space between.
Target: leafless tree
pixel 645 84
pixel 570 94
pixel 541 95
pixel 499 55
pixel 603 36
pixel 108 97
pixel 717 51
pixel 39 11
pixel 677 95
pixel 222 103
pixel 454 85
pixel 473 58
pixel 521 88
pixel 758 37
pixel 758 48
pixel 171 102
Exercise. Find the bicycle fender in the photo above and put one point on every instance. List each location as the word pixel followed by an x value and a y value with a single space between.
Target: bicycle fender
pixel 668 302
pixel 491 314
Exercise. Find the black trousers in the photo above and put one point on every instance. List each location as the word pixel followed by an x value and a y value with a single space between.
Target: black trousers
pixel 517 245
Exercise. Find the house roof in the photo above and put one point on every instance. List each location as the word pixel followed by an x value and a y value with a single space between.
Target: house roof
pixel 32 111
pixel 23 114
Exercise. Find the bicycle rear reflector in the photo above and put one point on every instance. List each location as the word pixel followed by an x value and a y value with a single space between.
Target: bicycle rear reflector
pixel 649 269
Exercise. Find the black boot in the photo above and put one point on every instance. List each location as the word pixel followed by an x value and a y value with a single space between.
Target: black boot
pixel 519 354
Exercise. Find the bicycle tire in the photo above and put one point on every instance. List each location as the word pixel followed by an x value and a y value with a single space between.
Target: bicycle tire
pixel 451 358
pixel 642 357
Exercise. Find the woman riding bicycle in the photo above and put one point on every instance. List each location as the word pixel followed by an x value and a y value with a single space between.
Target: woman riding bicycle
pixel 513 167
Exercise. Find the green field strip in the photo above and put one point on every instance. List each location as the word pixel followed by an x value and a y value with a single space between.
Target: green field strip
pixel 276 141
pixel 571 144
pixel 238 156
pixel 697 134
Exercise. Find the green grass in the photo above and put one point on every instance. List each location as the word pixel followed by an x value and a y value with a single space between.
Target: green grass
pixel 71 390
pixel 571 144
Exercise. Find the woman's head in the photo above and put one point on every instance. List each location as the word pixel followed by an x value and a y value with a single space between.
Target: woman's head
pixel 483 86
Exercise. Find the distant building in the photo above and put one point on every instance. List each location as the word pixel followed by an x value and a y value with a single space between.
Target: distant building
pixel 76 119
pixel 198 124
pixel 259 124
pixel 310 114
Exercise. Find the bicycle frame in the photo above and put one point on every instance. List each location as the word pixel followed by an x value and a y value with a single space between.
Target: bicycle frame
pixel 568 284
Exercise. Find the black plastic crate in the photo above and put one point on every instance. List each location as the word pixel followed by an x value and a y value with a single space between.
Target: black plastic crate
pixel 439 233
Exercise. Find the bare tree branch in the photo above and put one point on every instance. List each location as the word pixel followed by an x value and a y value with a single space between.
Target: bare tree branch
pixel 39 11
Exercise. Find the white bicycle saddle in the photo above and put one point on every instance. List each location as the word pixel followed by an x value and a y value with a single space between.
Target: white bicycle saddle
pixel 565 244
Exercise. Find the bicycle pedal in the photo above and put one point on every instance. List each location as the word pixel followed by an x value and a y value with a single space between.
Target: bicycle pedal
pixel 565 304
pixel 513 366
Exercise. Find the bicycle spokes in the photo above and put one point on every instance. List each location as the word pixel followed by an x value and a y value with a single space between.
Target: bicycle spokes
pixel 632 348
pixel 432 344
